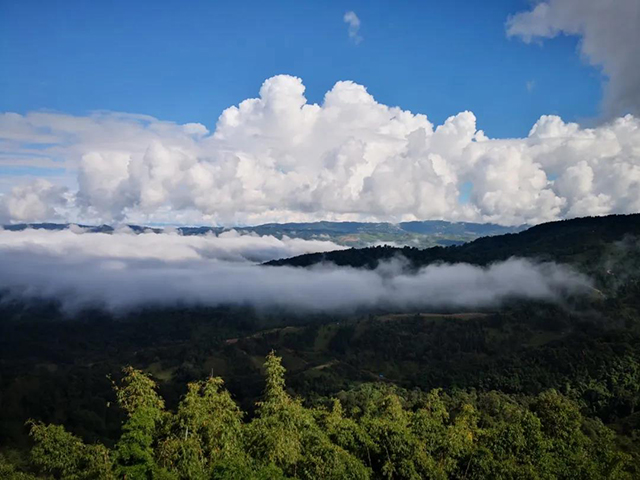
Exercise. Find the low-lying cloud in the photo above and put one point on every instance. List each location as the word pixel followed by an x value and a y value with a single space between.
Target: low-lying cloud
pixel 171 246
pixel 125 271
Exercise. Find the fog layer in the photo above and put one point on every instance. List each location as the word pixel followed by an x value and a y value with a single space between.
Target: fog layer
pixel 123 271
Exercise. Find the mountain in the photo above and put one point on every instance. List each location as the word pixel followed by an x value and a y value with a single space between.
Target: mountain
pixel 559 377
pixel 577 241
pixel 353 234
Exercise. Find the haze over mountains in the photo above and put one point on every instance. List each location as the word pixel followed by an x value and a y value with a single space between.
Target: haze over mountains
pixel 353 234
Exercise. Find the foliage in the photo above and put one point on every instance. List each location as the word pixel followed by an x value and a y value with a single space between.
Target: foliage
pixel 373 431
pixel 63 455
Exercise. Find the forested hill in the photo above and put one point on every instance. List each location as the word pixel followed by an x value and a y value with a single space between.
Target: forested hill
pixel 579 240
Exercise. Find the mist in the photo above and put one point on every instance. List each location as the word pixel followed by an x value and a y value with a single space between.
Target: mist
pixel 124 271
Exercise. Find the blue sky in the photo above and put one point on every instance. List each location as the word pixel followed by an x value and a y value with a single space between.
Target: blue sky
pixel 112 111
pixel 186 61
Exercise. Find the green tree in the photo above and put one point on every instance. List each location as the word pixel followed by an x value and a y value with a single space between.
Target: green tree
pixel 206 430
pixel 286 434
pixel 9 471
pixel 387 433
pixel 63 455
pixel 134 452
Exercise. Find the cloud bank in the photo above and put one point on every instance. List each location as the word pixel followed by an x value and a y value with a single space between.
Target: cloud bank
pixel 171 246
pixel 609 35
pixel 279 158
pixel 127 271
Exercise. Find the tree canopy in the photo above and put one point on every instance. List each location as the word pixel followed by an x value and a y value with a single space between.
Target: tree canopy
pixel 374 431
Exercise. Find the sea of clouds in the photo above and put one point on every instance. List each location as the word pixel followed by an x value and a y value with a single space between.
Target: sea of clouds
pixel 123 271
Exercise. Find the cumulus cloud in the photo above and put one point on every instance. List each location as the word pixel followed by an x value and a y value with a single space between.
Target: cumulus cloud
pixel 123 271
pixel 278 157
pixel 354 26
pixel 36 201
pixel 609 35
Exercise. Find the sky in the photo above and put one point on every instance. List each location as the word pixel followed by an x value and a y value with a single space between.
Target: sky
pixel 188 61
pixel 205 112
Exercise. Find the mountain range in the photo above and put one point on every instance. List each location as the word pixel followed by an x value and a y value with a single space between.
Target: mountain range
pixel 353 234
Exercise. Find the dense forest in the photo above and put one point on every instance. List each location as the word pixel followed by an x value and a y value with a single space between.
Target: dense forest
pixel 369 432
pixel 526 390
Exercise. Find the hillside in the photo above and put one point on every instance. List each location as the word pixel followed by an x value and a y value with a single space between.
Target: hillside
pixel 516 362
pixel 580 240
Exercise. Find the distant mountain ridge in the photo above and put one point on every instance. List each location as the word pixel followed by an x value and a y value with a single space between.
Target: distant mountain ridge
pixel 354 234
pixel 581 241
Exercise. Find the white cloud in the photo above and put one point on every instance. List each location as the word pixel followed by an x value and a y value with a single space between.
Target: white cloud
pixel 279 158
pixel 168 247
pixel 530 85
pixel 354 26
pixel 124 270
pixel 36 201
pixel 609 38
